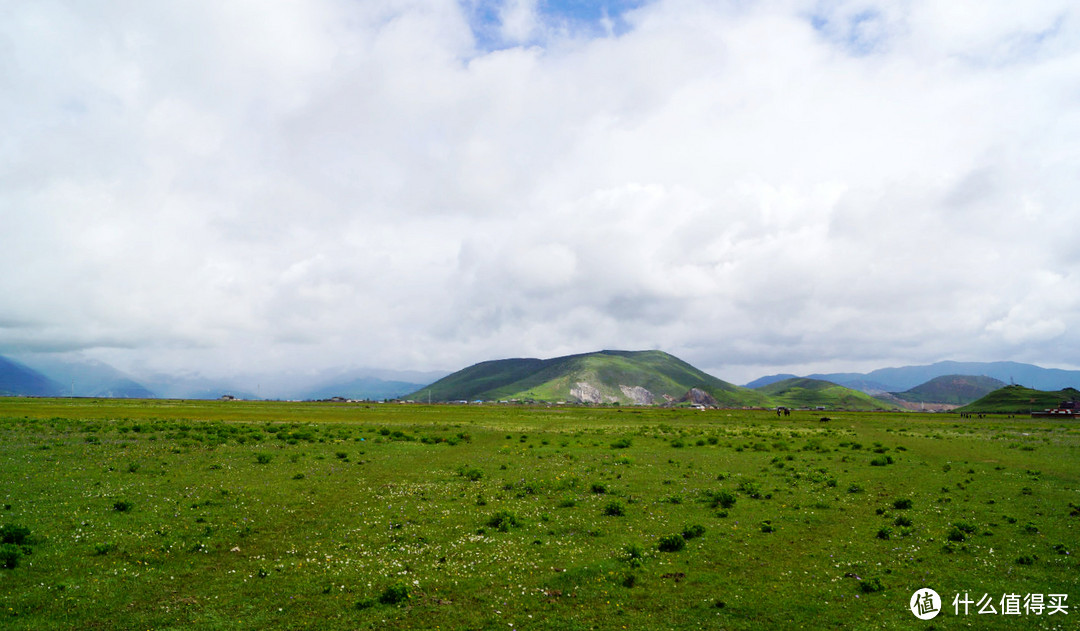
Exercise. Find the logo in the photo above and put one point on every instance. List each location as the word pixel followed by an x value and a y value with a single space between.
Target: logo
pixel 925 604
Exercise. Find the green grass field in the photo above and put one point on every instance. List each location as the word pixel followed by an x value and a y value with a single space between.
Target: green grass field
pixel 259 515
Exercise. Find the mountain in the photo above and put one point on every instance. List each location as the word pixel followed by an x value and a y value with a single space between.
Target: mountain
pixel 767 380
pixel 625 377
pixel 951 389
pixel 88 378
pixel 907 377
pixel 800 392
pixel 356 383
pixel 368 388
pixel 17 379
pixel 1019 400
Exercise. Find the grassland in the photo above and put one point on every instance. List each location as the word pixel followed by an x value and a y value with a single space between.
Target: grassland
pixel 238 515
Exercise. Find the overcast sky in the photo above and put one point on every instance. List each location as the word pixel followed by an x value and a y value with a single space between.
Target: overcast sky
pixel 755 187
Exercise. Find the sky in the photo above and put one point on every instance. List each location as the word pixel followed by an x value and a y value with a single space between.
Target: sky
pixel 214 188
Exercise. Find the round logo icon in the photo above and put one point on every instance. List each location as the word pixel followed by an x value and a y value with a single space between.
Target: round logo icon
pixel 925 604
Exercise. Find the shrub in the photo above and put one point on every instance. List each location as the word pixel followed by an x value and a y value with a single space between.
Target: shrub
pixel 263 458
pixel 12 533
pixel 956 535
pixel 871 586
pixel 854 488
pixel 394 594
pixel 884 533
pixel 472 474
pixel 902 504
pixel 902 521
pixel 635 555
pixel 722 499
pixel 1025 560
pixel 621 443
pixel 750 489
pixel 503 521
pixel 10 555
pixel 766 526
pixel 671 543
pixel 122 506
pixel 881 461
pixel 693 532
pixel 598 488
pixel 965 527
pixel 614 509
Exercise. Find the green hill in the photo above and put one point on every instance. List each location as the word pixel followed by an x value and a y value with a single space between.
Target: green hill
pixel 809 393
pixel 953 389
pixel 624 377
pixel 1019 400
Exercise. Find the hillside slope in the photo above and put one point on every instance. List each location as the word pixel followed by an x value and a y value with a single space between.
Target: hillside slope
pixel 624 377
pixel 1019 400
pixel 19 380
pixel 953 389
pixel 810 393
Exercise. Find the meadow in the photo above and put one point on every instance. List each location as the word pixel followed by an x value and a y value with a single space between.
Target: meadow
pixel 262 515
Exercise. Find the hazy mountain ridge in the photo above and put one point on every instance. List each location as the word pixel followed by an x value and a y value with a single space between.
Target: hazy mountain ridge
pixel 904 378
pixel 624 376
pixel 17 379
pixel 45 375
pixel 89 378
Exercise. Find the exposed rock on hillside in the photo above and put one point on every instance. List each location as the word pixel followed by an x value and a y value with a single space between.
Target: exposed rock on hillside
pixel 586 393
pixel 698 396
pixel 637 394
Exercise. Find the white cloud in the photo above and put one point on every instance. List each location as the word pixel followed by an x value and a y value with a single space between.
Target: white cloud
pixel 216 187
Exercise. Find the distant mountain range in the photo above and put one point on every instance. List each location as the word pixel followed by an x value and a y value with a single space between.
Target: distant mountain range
pixel 624 377
pixel 907 377
pixel 17 379
pixel 631 378
pixel 44 375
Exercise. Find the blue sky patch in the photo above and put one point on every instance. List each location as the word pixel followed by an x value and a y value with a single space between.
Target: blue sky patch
pixel 860 34
pixel 591 19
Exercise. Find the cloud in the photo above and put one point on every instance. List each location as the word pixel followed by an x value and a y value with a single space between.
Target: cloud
pixel 428 184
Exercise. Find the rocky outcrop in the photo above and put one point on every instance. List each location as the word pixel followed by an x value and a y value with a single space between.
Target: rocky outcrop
pixel 586 393
pixel 637 394
pixel 698 396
